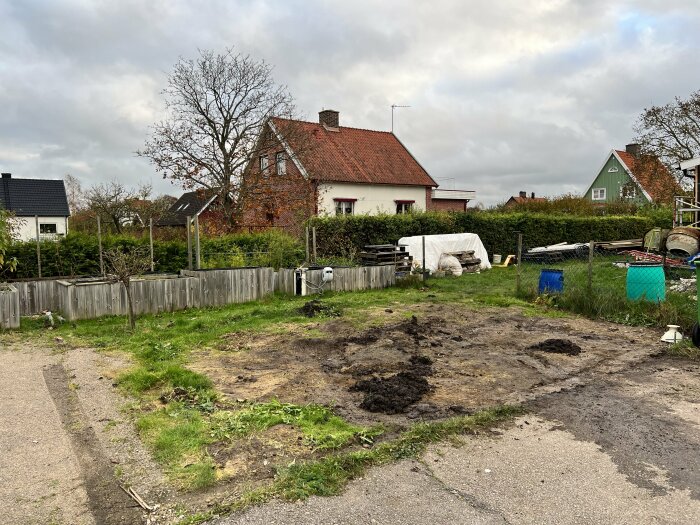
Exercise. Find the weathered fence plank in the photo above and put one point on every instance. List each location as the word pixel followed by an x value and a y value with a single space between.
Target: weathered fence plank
pixel 9 307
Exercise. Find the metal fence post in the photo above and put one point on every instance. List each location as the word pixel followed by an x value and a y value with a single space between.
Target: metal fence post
pixel 188 222
pixel 591 249
pixel 38 246
pixel 198 251
pixel 307 245
pixel 313 238
pixel 425 273
pixel 99 246
pixel 150 239
pixel 519 268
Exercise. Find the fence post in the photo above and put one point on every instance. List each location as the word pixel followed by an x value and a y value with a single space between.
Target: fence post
pixel 188 222
pixel 150 239
pixel 38 246
pixel 99 246
pixel 307 244
pixel 591 248
pixel 518 275
pixel 198 254
pixel 313 237
pixel 425 274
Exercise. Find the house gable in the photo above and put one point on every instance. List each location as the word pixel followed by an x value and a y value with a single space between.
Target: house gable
pixel 612 178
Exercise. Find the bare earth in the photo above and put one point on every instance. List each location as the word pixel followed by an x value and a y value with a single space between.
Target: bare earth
pixel 611 437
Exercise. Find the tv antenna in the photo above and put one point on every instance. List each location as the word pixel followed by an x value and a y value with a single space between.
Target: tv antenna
pixel 394 106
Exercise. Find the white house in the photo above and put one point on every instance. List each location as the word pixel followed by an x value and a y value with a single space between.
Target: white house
pixel 35 204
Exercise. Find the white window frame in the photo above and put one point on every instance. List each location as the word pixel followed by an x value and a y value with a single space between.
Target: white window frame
pixel 601 192
pixel 630 193
pixel 264 161
pixel 55 226
pixel 281 163
pixel 344 207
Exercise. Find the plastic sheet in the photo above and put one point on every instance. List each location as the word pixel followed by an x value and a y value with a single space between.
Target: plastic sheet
pixel 436 245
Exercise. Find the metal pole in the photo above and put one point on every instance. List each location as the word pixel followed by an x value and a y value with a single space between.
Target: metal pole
pixel 99 245
pixel 150 238
pixel 198 255
pixel 188 223
pixel 591 248
pixel 519 268
pixel 38 245
pixel 425 273
pixel 313 236
pixel 307 244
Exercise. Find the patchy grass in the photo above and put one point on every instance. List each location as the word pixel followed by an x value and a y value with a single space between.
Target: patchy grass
pixel 684 349
pixel 320 427
pixel 328 476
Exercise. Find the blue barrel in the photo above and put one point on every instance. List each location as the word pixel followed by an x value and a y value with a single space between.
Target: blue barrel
pixel 551 281
pixel 646 282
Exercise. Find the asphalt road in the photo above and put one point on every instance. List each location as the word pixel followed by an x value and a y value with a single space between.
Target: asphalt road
pixel 623 450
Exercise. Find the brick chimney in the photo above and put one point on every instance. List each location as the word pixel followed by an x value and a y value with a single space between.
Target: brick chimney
pixel 329 117
pixel 523 195
pixel 633 149
pixel 532 195
pixel 7 175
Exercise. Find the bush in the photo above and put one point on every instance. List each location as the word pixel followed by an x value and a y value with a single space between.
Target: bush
pixel 345 236
pixel 77 254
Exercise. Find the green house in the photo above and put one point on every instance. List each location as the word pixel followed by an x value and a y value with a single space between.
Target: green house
pixel 617 179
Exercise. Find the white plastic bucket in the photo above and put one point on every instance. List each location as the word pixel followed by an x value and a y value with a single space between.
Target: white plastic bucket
pixel 496 258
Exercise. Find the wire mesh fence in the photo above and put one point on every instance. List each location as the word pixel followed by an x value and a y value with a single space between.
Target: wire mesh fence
pixel 614 284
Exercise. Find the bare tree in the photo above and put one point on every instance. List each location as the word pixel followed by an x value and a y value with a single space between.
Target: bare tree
pixel 672 131
pixel 218 106
pixel 125 264
pixel 74 193
pixel 116 203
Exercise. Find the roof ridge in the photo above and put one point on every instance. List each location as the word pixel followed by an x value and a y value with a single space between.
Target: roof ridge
pixel 339 127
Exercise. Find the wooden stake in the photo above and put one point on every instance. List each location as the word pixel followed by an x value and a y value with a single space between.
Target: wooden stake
pixel 38 246
pixel 150 238
pixel 188 223
pixel 99 246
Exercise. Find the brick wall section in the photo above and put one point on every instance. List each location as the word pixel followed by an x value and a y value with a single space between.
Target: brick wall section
pixel 277 201
pixel 448 205
pixel 428 199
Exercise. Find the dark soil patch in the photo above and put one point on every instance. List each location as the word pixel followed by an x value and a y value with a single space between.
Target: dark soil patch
pixel 316 308
pixel 393 394
pixel 557 346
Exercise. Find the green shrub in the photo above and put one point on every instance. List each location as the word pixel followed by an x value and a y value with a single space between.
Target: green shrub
pixel 346 235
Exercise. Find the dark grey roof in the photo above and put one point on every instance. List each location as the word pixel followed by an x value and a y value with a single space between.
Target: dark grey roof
pixel 30 197
pixel 189 204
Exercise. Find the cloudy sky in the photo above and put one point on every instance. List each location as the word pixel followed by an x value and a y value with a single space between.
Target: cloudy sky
pixel 505 95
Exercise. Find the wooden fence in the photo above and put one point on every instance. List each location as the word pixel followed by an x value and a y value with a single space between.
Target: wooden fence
pixel 97 297
pixel 9 307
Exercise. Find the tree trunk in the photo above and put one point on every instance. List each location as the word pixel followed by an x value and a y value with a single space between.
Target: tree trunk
pixel 132 321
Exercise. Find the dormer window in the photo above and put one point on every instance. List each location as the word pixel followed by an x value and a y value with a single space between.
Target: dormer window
pixel 281 162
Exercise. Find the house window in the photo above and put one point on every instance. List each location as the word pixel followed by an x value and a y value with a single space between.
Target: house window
pixel 598 194
pixel 404 207
pixel 281 161
pixel 344 206
pixel 48 229
pixel 264 162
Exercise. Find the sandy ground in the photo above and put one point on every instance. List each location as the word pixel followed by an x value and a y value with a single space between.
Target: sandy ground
pixel 576 459
pixel 65 445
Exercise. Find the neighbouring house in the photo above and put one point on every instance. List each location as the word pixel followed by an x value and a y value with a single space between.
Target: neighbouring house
pixel 35 204
pixel 632 176
pixel 190 204
pixel 307 168
pixel 523 198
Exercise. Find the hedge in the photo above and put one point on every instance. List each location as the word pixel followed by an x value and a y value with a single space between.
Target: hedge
pixel 346 235
pixel 78 253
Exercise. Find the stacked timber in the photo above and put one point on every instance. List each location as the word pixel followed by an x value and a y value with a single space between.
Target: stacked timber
pixel 469 262
pixel 385 255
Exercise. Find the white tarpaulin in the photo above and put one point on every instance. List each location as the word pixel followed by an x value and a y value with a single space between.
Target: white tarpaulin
pixel 436 245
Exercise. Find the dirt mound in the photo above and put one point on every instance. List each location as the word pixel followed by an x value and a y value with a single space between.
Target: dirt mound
pixel 557 346
pixel 315 308
pixel 394 394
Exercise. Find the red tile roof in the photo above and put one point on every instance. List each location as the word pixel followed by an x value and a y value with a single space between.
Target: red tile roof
pixel 523 200
pixel 651 175
pixel 353 155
